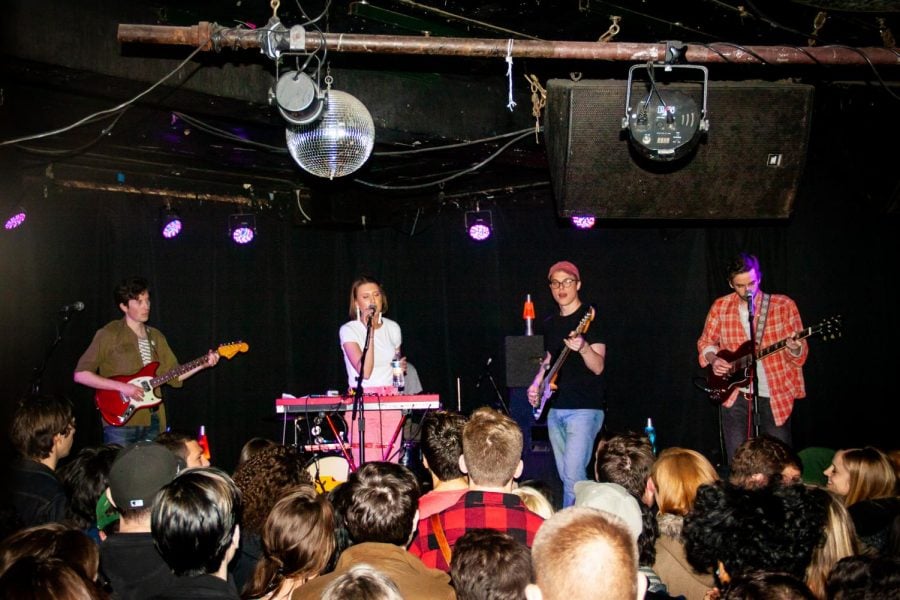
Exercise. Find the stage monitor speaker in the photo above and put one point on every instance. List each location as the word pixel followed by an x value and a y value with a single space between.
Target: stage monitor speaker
pixel 524 354
pixel 747 166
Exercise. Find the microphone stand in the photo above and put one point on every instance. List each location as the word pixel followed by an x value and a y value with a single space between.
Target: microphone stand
pixel 754 378
pixel 38 372
pixel 487 373
pixel 359 406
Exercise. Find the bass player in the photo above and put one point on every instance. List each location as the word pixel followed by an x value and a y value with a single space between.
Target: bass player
pixel 125 346
pixel 576 407
pixel 780 375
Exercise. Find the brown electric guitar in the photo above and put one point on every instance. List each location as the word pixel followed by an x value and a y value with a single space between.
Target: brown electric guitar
pixel 117 409
pixel 548 383
pixel 719 387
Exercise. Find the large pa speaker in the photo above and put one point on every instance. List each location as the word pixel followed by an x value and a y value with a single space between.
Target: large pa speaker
pixel 748 166
pixel 524 354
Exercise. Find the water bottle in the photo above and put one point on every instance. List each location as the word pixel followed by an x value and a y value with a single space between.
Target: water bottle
pixel 397 371
pixel 650 431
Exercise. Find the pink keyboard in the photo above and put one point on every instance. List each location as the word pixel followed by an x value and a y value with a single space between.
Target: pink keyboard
pixel 287 404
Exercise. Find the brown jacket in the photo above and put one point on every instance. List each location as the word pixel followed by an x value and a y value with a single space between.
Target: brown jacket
pixel 415 580
pixel 672 565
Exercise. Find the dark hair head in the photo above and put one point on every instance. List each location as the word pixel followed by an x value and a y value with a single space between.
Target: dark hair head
pixel 773 528
pixel 175 441
pixel 362 582
pixel 383 499
pixel 743 263
pixel 767 586
pixel 264 479
pixel 864 577
pixel 254 446
pixel 52 540
pixel 85 479
pixel 37 421
pixel 626 459
pixel 130 289
pixel 297 540
pixel 47 579
pixel 761 459
pixel 490 565
pixel 442 433
pixel 194 519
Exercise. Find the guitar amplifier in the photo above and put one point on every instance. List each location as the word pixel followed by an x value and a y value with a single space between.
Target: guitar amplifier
pixel 524 354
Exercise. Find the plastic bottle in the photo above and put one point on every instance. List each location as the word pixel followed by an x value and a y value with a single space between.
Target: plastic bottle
pixel 650 431
pixel 398 380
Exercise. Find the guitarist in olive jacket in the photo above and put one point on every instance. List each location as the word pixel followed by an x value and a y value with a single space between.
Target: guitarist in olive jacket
pixel 123 347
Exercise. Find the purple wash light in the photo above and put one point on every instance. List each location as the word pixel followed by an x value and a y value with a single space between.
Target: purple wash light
pixel 242 235
pixel 479 231
pixel 583 221
pixel 171 229
pixel 15 220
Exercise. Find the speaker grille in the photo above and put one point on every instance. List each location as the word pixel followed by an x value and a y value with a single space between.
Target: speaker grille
pixel 748 166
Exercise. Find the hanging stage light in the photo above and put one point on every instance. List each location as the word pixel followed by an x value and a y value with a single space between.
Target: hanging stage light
pixel 666 124
pixel 339 142
pixel 298 97
pixel 242 228
pixel 170 223
pixel 15 218
pixel 583 221
pixel 479 224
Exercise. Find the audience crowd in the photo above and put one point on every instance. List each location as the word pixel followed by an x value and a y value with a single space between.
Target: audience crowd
pixel 155 520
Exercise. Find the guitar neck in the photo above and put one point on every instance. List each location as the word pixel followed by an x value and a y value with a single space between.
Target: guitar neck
pixel 804 333
pixel 558 363
pixel 177 371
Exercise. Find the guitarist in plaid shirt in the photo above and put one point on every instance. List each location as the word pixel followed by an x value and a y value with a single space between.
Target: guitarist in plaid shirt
pixel 780 374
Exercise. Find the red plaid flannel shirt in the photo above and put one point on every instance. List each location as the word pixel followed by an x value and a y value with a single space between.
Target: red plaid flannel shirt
pixel 475 510
pixel 784 371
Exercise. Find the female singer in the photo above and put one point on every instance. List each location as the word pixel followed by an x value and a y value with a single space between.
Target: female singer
pixel 368 303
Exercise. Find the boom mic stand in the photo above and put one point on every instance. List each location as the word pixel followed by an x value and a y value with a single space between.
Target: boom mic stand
pixel 754 378
pixel 359 407
pixel 487 373
pixel 34 389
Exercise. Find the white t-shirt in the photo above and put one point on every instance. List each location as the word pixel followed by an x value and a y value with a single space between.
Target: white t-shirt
pixel 384 344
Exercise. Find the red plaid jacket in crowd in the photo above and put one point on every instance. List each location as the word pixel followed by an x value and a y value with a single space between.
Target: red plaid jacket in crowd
pixel 784 371
pixel 475 510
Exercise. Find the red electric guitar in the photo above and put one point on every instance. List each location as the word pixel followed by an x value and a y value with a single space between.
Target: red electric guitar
pixel 117 409
pixel 719 388
pixel 548 383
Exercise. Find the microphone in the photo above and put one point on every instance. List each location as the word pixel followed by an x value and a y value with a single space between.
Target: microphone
pixel 371 309
pixel 486 367
pixel 74 307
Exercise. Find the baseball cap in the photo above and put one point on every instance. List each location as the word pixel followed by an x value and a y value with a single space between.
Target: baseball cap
pixel 566 266
pixel 612 498
pixel 139 471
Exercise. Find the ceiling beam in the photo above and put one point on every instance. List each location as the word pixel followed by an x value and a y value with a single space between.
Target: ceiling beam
pixel 213 36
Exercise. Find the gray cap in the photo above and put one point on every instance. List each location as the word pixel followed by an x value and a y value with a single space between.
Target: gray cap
pixel 612 498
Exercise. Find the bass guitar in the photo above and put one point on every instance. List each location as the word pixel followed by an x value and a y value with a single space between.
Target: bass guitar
pixel 548 383
pixel 719 387
pixel 117 409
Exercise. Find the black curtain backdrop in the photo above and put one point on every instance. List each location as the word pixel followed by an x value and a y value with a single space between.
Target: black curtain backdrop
pixel 287 294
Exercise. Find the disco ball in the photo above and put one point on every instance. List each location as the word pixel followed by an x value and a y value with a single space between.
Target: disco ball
pixel 338 143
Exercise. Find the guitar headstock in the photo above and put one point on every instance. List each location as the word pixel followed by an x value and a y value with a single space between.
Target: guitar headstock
pixel 830 328
pixel 585 321
pixel 229 350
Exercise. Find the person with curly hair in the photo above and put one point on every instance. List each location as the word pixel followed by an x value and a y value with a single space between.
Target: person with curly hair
pixel 737 531
pixel 263 480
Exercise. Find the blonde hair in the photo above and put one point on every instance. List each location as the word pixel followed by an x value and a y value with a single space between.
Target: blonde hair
pixel 492 447
pixel 534 501
pixel 871 474
pixel 677 473
pixel 361 281
pixel 838 541
pixel 581 553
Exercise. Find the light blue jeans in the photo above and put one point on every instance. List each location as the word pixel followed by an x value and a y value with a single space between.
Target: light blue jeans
pixel 125 436
pixel 572 432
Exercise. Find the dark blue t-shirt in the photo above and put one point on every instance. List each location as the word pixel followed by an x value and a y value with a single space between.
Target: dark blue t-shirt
pixel 577 386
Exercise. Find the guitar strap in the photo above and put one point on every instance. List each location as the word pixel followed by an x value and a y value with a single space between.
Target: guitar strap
pixel 763 312
pixel 440 537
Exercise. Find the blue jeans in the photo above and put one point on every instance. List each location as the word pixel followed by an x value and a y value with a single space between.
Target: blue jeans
pixel 572 432
pixel 126 436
